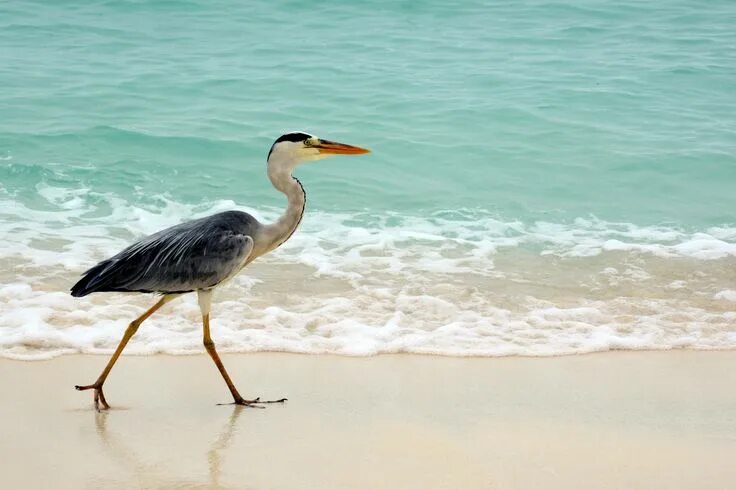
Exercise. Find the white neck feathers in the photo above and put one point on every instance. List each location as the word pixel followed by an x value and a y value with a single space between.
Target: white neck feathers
pixel 281 178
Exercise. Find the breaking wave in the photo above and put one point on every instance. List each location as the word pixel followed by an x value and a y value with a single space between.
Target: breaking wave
pixel 458 283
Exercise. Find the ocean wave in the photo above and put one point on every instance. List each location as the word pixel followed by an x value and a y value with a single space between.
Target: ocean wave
pixel 457 282
pixel 107 135
pixel 459 241
pixel 42 324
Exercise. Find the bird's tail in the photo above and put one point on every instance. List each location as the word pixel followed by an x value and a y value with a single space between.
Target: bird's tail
pixel 93 280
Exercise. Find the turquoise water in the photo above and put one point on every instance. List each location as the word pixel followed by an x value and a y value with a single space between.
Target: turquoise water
pixel 568 130
pixel 540 110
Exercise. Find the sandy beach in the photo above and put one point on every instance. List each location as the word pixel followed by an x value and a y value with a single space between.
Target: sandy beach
pixel 616 420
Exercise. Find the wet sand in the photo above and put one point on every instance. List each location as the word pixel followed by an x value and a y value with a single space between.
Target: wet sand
pixel 616 420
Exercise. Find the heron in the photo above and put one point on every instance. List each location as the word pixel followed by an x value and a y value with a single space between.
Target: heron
pixel 202 254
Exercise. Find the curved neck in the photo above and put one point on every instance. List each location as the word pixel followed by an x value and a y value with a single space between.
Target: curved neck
pixel 286 225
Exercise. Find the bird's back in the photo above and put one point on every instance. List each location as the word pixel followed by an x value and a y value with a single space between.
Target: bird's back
pixel 197 254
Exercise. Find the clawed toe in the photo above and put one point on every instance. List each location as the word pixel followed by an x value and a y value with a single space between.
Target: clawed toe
pixel 256 403
pixel 244 403
pixel 99 395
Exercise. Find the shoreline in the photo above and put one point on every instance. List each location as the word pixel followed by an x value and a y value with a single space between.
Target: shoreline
pixel 518 303
pixel 613 420
pixel 222 351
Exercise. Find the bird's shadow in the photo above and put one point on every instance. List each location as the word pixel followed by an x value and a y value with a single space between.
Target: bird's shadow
pixel 150 473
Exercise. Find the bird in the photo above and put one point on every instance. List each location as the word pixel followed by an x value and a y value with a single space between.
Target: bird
pixel 203 254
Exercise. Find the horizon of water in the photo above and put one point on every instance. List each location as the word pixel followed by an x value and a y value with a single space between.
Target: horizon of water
pixel 546 178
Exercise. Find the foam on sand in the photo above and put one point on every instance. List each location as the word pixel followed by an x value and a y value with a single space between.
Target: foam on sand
pixel 453 283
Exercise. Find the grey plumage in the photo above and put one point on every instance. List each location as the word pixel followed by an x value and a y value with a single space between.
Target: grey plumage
pixel 197 254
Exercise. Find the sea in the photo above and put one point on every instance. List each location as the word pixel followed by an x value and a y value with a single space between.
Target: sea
pixel 546 177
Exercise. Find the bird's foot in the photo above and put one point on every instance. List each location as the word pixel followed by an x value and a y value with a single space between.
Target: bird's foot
pixel 256 403
pixel 99 395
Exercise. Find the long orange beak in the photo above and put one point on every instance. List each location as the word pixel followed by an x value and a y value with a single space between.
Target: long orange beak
pixel 332 148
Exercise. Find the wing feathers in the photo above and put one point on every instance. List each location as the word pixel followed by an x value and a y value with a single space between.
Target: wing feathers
pixel 193 255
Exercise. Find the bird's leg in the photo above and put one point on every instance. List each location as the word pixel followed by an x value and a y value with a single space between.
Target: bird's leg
pixel 210 346
pixel 129 332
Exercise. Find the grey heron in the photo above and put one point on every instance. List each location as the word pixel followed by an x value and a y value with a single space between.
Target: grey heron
pixel 199 255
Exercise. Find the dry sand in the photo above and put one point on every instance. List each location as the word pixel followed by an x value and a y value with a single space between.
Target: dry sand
pixel 619 420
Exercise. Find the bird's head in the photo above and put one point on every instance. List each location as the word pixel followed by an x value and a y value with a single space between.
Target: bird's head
pixel 292 149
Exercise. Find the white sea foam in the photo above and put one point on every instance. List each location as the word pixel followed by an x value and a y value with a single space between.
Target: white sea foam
pixel 455 283
pixel 726 295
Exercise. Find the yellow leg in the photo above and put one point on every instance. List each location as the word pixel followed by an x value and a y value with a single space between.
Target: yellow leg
pixel 210 346
pixel 129 332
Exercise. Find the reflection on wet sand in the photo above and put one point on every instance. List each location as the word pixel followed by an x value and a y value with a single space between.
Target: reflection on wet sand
pixel 149 474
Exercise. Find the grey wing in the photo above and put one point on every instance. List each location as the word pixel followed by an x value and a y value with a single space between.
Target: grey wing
pixel 194 255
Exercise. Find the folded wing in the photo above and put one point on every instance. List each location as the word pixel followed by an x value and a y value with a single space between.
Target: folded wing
pixel 194 255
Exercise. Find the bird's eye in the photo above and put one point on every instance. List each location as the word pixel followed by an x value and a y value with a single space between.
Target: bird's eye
pixel 308 142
